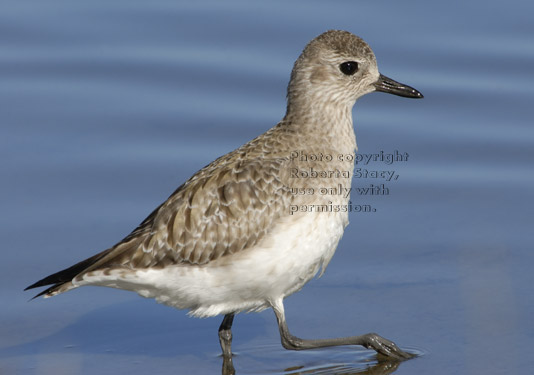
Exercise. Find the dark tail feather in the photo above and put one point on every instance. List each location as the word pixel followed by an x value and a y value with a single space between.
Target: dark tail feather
pixel 46 291
pixel 66 275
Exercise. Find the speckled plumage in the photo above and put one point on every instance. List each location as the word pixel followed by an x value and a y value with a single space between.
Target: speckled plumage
pixel 229 238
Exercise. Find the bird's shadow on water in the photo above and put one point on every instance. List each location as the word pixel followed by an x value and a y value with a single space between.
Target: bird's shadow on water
pixel 273 359
pixel 131 330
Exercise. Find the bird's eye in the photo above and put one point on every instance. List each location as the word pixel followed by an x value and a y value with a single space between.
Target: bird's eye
pixel 349 67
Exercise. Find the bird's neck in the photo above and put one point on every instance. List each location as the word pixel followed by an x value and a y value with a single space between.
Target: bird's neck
pixel 324 124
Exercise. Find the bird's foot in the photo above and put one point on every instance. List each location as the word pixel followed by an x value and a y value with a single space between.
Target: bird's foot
pixel 385 347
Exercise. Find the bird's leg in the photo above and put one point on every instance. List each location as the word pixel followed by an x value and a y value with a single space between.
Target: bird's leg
pixel 225 335
pixel 369 340
pixel 225 338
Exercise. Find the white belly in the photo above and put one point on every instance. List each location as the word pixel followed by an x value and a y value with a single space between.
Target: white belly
pixel 246 281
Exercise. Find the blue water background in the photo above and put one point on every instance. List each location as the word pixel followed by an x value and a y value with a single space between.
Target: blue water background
pixel 107 106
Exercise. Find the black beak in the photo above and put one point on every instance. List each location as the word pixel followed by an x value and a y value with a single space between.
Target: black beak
pixel 390 86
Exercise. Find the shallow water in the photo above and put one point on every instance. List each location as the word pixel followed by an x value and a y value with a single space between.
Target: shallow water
pixel 108 107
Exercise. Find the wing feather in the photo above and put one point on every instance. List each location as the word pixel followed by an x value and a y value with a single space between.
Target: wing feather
pixel 210 216
pixel 226 207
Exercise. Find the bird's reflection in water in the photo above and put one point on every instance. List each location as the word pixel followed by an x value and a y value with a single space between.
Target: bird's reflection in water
pixel 384 366
pixel 228 366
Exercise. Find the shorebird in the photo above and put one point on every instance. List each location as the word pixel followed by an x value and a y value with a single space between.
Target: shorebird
pixel 256 224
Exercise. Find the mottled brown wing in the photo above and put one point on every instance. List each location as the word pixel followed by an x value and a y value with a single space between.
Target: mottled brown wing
pixel 219 211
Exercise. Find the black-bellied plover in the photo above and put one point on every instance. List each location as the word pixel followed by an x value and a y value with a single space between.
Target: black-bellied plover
pixel 258 223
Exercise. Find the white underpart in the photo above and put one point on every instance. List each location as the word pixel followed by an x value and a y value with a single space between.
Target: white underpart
pixel 247 281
